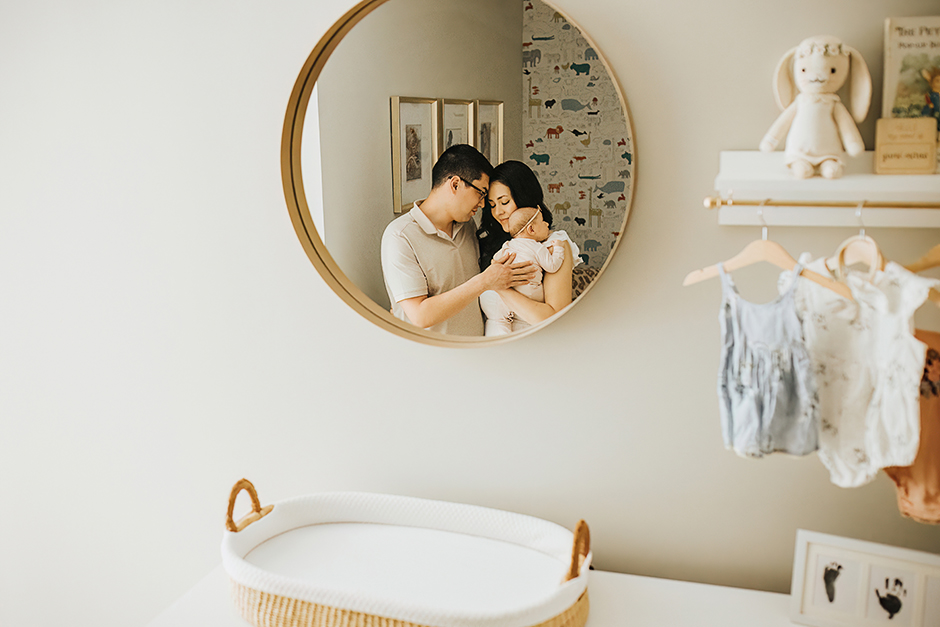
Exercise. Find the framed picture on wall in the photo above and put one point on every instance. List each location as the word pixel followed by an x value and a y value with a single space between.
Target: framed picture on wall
pixel 415 148
pixel 489 130
pixel 457 126
pixel 841 582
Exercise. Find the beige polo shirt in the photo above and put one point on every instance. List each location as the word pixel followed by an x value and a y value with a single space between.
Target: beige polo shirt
pixel 419 260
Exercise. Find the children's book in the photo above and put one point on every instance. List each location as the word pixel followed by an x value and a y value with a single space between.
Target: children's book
pixel 912 69
pixel 912 56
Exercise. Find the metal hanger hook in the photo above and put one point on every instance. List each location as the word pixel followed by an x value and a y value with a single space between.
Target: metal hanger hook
pixel 858 216
pixel 760 214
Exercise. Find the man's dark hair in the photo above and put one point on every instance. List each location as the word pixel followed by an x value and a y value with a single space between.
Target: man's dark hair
pixel 460 160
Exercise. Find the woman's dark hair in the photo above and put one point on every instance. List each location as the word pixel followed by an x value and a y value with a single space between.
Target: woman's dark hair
pixel 526 191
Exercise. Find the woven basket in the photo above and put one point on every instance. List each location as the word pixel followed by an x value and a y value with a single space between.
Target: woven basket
pixel 317 561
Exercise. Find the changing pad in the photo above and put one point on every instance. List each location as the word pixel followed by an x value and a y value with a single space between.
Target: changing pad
pixel 375 560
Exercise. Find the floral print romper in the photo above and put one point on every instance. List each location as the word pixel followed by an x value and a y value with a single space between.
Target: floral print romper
pixel 766 390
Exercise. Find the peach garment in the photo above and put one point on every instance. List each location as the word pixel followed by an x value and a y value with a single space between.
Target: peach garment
pixel 918 485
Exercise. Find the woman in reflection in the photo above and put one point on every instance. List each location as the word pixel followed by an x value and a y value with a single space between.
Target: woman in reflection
pixel 514 185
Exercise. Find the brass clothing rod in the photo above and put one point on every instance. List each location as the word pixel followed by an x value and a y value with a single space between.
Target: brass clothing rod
pixel 714 202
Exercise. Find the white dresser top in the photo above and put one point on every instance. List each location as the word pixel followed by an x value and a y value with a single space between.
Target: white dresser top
pixel 616 601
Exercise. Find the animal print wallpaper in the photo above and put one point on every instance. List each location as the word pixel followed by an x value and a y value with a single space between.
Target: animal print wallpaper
pixel 576 135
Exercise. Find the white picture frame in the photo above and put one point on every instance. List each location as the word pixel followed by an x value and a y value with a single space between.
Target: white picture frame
pixel 842 582
pixel 489 130
pixel 457 123
pixel 415 148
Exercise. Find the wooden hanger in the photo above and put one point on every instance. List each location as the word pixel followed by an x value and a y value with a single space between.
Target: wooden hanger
pixel 863 249
pixel 857 249
pixel 928 261
pixel 764 249
pixel 772 252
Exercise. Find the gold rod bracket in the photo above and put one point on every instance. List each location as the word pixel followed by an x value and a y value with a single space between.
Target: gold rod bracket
pixel 716 201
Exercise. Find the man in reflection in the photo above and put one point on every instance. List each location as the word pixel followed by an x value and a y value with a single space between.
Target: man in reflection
pixel 430 255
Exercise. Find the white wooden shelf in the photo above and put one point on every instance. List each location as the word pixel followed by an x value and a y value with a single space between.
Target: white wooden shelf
pixel 755 176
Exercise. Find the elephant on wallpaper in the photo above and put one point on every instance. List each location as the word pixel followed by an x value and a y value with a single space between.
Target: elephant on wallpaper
pixel 531 58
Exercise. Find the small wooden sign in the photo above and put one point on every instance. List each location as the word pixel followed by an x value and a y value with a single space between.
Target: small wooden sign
pixel 906 146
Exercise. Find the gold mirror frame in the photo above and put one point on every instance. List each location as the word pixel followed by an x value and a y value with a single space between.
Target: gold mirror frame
pixel 292 179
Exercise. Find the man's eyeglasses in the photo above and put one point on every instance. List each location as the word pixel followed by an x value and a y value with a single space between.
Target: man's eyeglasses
pixel 481 192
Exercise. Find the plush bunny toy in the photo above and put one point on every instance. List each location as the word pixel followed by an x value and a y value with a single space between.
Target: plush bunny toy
pixel 819 124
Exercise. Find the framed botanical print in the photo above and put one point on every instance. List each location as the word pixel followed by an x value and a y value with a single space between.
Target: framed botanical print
pixel 489 130
pixel 415 148
pixel 457 125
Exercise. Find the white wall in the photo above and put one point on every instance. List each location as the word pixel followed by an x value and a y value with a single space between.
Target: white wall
pixel 162 333
pixel 377 60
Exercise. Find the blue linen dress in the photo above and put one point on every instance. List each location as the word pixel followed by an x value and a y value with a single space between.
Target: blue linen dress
pixel 767 394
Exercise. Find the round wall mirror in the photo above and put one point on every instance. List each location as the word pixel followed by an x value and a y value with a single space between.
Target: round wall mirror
pixel 375 105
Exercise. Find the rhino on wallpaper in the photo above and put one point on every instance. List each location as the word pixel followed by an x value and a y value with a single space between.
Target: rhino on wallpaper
pixel 581 68
pixel 611 187
pixel 591 245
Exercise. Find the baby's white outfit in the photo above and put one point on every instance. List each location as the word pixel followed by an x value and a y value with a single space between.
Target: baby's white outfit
pixel 813 135
pixel 500 320
pixel 868 367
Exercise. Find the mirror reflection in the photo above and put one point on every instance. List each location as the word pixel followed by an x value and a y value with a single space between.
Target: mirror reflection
pixel 550 214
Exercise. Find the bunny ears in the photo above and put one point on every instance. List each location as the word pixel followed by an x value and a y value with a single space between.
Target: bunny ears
pixel 785 88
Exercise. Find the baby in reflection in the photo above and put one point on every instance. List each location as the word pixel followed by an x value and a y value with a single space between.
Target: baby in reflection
pixel 532 240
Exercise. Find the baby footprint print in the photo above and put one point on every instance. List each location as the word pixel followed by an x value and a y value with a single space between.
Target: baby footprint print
pixel 830 574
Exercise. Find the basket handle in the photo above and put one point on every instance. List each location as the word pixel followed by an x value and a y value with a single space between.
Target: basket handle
pixel 579 550
pixel 257 511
